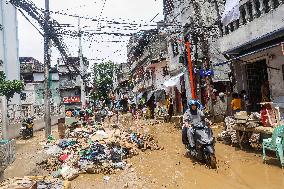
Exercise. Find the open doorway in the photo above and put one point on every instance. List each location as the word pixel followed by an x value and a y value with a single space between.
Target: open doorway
pixel 257 75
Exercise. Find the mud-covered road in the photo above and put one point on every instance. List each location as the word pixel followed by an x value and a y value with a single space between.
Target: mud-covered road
pixel 167 168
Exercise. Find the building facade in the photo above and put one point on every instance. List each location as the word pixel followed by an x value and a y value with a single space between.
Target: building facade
pixel 197 22
pixel 70 81
pixel 9 54
pixel 32 97
pixel 255 44
pixel 147 59
pixel 121 82
pixel 9 43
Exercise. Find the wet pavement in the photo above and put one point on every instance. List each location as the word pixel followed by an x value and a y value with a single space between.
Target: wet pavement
pixel 167 168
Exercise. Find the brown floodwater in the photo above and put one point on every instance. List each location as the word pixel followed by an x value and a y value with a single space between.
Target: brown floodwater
pixel 168 168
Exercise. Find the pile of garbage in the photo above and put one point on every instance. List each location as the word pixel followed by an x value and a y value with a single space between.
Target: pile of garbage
pixel 93 150
pixel 34 183
pixel 229 135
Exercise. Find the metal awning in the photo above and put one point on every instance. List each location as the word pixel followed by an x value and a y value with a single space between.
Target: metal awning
pixel 248 54
pixel 174 81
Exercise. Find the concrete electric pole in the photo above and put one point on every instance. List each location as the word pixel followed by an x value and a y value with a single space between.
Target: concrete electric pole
pixel 4 127
pixel 47 117
pixel 82 71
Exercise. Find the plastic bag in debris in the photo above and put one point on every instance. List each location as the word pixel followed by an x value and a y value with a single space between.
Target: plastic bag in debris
pixel 69 173
pixel 63 143
pixel 117 154
pixel 102 134
pixel 85 164
pixel 50 138
pixel 56 174
pixel 53 150
pixel 119 165
pixel 134 138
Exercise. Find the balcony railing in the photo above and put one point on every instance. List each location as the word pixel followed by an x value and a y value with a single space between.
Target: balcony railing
pixel 250 10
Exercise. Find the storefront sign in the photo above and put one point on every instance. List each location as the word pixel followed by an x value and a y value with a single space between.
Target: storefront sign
pixel 72 99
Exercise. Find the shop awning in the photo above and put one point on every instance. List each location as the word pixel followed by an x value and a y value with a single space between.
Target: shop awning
pixel 174 81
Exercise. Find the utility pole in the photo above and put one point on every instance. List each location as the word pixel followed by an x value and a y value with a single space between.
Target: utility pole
pixel 47 118
pixel 83 91
pixel 190 68
pixel 4 128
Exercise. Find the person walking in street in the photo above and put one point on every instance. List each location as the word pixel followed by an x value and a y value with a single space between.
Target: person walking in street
pixel 170 110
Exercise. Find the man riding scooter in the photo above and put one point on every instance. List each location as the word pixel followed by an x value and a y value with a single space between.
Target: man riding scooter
pixel 197 136
pixel 192 116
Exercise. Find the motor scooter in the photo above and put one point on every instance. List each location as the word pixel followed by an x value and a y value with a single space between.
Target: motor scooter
pixel 27 128
pixel 204 144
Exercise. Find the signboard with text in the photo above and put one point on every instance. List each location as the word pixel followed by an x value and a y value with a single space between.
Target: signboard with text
pixel 72 99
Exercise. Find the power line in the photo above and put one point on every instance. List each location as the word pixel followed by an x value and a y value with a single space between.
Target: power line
pixel 30 21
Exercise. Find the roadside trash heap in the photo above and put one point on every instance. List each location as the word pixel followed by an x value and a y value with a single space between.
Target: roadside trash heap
pixel 238 122
pixel 229 135
pixel 34 183
pixel 93 149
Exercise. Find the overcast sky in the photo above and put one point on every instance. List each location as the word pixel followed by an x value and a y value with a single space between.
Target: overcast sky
pixel 98 46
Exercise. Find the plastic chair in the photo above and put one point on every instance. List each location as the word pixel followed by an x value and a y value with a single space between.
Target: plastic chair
pixel 275 143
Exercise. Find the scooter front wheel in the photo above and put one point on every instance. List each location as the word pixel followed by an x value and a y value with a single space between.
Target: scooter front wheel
pixel 212 161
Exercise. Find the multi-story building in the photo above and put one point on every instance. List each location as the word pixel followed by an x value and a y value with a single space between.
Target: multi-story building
pixel 70 81
pixel 9 43
pixel 9 55
pixel 255 44
pixel 197 22
pixel 32 97
pixel 147 58
pixel 121 84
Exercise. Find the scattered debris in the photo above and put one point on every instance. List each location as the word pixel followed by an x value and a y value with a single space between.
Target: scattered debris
pixel 34 183
pixel 93 149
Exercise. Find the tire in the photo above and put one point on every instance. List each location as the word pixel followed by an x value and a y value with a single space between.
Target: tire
pixel 212 161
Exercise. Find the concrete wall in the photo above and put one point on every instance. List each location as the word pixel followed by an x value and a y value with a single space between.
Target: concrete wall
pixel 276 76
pixel 9 44
pixel 159 79
pixel 30 94
pixel 14 129
pixel 55 76
pixel 38 77
pixel 55 94
pixel 259 27
pixel 173 60
pixel 275 60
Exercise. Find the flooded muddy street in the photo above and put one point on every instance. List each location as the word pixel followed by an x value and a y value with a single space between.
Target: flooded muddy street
pixel 169 168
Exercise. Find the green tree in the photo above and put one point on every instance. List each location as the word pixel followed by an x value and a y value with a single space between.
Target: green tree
pixel 9 88
pixel 103 79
